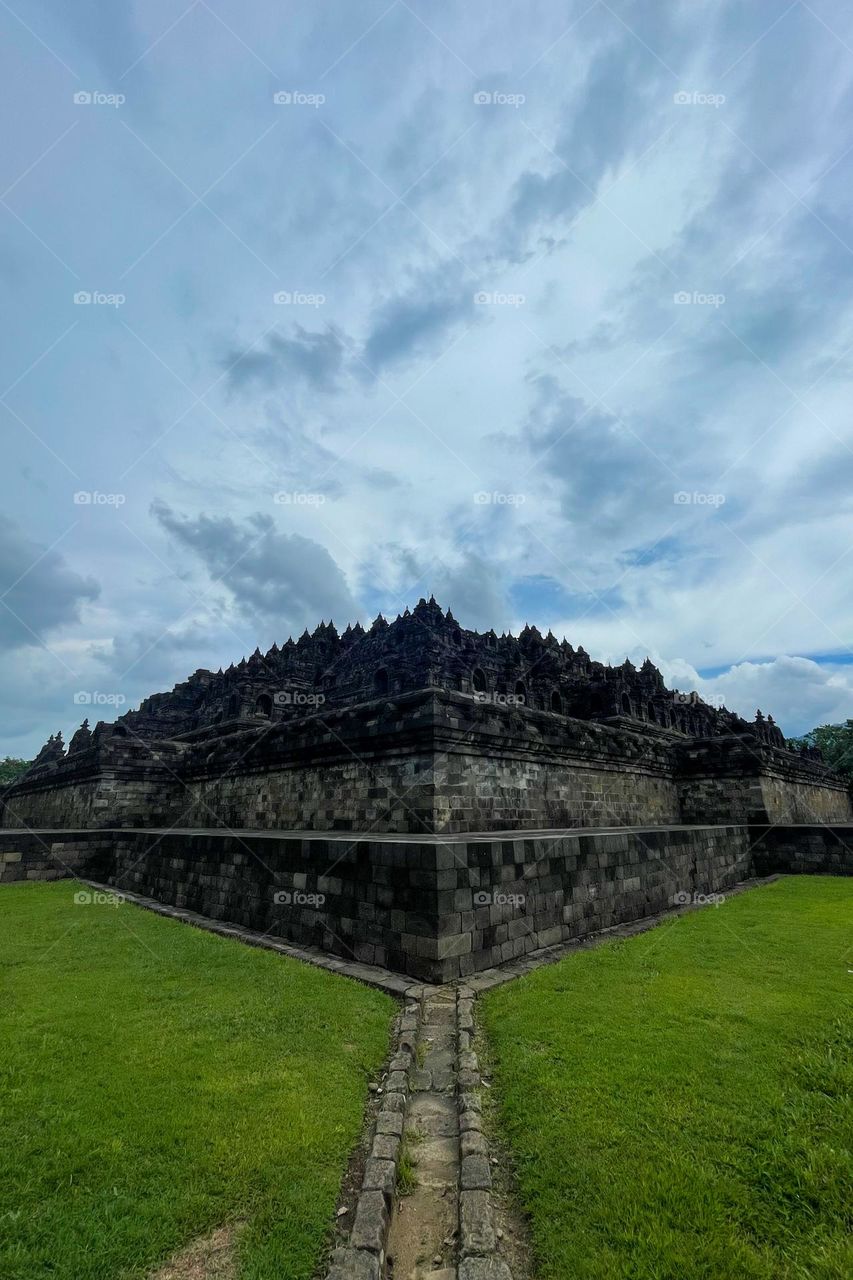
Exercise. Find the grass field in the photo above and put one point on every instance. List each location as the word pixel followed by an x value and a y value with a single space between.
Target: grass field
pixel 678 1104
pixel 157 1082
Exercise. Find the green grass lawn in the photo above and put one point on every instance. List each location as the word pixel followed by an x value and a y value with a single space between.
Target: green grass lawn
pixel 157 1081
pixel 678 1104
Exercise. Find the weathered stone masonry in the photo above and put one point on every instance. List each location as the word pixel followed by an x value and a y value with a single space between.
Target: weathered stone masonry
pixel 437 909
pixel 500 795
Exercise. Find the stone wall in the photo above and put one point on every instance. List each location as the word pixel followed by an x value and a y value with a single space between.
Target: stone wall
pixel 516 790
pixel 430 762
pixel 55 855
pixel 513 896
pixel 62 803
pixel 790 800
pixel 816 850
pixel 732 780
pixel 434 908
pixel 120 782
pixel 391 793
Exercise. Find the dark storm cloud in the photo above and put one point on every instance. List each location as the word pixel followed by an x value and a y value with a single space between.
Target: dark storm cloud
pixel 38 590
pixel 105 29
pixel 281 577
pixel 415 323
pixel 312 359
pixel 620 111
pixel 610 474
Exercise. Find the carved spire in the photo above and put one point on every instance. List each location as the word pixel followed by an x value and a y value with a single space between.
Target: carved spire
pixel 81 739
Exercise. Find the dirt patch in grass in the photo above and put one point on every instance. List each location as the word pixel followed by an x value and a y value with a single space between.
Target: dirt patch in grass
pixel 212 1258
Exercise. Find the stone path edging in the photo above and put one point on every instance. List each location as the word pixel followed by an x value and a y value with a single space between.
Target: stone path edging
pixel 479 1258
pixel 397 984
pixel 486 979
pixel 363 1256
pixel 372 975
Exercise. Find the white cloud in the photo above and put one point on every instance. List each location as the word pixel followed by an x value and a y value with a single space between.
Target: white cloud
pixel 596 398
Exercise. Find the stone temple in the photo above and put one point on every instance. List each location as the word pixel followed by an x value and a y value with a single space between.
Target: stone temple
pixel 424 797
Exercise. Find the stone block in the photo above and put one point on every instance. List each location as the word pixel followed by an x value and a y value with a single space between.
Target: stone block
pixel 473 1143
pixel 492 1268
pixel 353 1264
pixel 476 1174
pixel 390 1122
pixel 379 1175
pixel 476 1223
pixel 385 1146
pixel 371 1223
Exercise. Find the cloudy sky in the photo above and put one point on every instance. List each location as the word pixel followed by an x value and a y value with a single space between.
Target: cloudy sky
pixel 544 307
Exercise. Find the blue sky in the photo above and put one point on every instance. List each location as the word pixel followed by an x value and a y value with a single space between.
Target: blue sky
pixel 544 308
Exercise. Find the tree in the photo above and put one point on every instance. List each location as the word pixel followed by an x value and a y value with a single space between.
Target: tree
pixel 835 742
pixel 12 768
